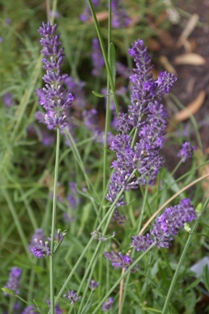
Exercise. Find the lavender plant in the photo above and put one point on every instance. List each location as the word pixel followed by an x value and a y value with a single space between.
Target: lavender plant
pixel 129 224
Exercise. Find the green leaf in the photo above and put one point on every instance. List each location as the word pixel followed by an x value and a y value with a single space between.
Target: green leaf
pixel 112 61
pixel 98 94
pixel 6 290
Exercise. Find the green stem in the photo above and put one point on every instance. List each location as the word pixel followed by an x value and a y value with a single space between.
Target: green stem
pixel 54 8
pixel 78 157
pixel 176 168
pixel 53 222
pixel 107 117
pixel 17 223
pixel 107 65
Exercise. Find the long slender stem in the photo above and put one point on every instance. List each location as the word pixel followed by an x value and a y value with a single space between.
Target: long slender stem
pixel 107 65
pixel 107 117
pixel 17 222
pixel 53 222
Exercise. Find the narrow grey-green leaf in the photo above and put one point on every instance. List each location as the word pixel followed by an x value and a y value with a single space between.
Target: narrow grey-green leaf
pixel 8 291
pixel 98 94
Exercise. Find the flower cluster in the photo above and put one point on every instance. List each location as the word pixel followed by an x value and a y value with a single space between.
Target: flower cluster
pixel 186 151
pixel 120 219
pixel 56 307
pixel 147 118
pixel 120 261
pixel 100 237
pixel 29 310
pixel 97 58
pixel 120 17
pixel 39 247
pixel 54 97
pixel 37 236
pixel 77 89
pixel 93 284
pixel 13 282
pixel 8 99
pixel 72 296
pixel 166 226
pixel 107 305
pixel 85 16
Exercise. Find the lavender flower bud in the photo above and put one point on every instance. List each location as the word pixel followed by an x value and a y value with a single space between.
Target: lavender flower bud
pixel 40 248
pixel 120 17
pixel 186 151
pixel 120 261
pixel 13 282
pixel 107 305
pixel 86 15
pixel 97 58
pixel 93 284
pixel 29 310
pixel 37 236
pixel 72 296
pixel 119 218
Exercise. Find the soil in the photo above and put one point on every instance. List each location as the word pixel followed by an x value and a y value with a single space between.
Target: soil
pixel 192 79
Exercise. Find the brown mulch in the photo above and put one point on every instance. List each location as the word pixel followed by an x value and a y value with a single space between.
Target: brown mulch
pixel 192 78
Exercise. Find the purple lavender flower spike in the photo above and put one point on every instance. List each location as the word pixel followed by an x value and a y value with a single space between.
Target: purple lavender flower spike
pixel 86 15
pixel 107 305
pixel 53 97
pixel 13 282
pixel 77 89
pixel 8 99
pixel 97 58
pixel 48 139
pixel 73 197
pixel 58 237
pixel 93 285
pixel 141 243
pixel 120 17
pixel 123 70
pixel 146 116
pixel 120 261
pixel 119 218
pixel 186 151
pixel 41 248
pixel 72 296
pixel 29 310
pixel 56 307
pixel 166 226
pixel 37 236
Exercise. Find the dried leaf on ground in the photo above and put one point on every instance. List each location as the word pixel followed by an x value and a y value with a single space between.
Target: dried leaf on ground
pixel 191 109
pixel 167 65
pixel 188 29
pixel 190 58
